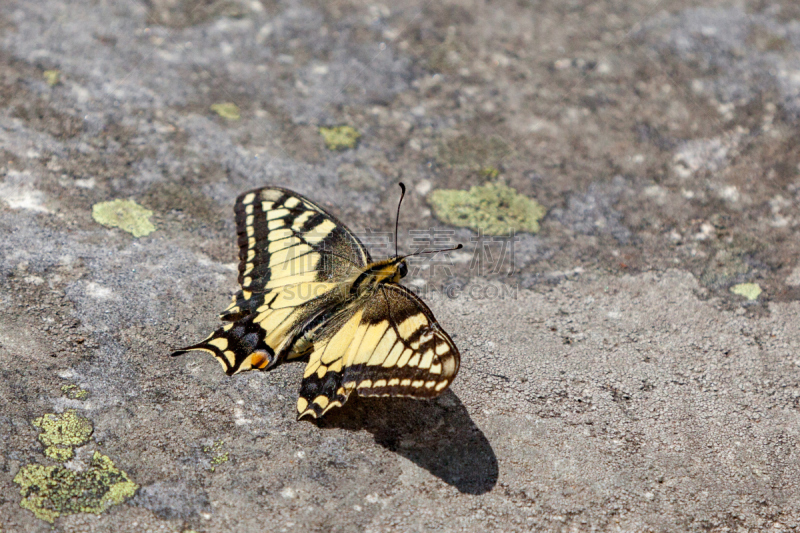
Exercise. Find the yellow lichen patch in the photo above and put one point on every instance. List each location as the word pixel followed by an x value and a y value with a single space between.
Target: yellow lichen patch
pixel 126 215
pixel 52 77
pixel 73 392
pixel 490 172
pixel 495 209
pixel 340 137
pixel 56 453
pixel 50 491
pixel 751 291
pixel 60 433
pixel 227 110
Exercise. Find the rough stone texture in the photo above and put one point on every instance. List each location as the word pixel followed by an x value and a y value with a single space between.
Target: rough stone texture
pixel 611 381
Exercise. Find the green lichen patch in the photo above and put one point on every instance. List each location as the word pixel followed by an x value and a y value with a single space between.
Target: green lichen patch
pixel 227 110
pixel 495 209
pixel 126 215
pixel 60 433
pixel 216 453
pixel 219 459
pixel 475 153
pixel 73 392
pixel 50 491
pixel 340 137
pixel 52 77
pixel 751 291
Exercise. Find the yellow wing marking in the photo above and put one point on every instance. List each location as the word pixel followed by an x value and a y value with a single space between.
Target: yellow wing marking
pixel 277 213
pixel 360 347
pixel 302 404
pixel 220 343
pixel 322 401
pixel 280 234
pixel 315 359
pixel 291 280
pixel 403 361
pixel 394 355
pixel 335 349
pixel 320 232
pixel 277 246
pixel 383 348
pixel 427 359
pixel 300 220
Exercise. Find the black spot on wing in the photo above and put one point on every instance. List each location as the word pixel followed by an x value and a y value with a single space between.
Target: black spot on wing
pixel 313 388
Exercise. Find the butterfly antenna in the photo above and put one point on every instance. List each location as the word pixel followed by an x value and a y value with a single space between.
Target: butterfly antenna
pixel 397 218
pixel 458 247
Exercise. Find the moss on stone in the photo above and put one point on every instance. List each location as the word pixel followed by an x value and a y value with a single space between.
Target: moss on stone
pixel 751 291
pixel 227 110
pixel 50 491
pixel 60 433
pixel 340 137
pixel 495 209
pixel 52 77
pixel 126 215
pixel 73 392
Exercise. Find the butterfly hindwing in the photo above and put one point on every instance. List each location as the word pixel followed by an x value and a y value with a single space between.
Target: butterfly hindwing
pixel 389 344
pixel 266 337
pixel 237 346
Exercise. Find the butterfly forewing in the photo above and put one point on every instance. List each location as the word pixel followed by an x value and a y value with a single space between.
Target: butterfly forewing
pixel 285 239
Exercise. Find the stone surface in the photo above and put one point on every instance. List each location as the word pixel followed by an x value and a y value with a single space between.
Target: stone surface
pixel 611 379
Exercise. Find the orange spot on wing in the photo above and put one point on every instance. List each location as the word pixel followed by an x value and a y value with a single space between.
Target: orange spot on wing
pixel 258 360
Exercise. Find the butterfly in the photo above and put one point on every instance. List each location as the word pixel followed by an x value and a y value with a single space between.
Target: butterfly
pixel 309 289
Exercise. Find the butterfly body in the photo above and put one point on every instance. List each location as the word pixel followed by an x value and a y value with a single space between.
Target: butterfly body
pixel 309 288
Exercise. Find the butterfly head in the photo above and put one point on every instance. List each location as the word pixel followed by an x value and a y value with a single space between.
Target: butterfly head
pixel 397 264
pixel 402 268
pixel 388 270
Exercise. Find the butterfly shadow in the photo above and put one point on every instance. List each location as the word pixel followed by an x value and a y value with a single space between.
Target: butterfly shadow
pixel 437 435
